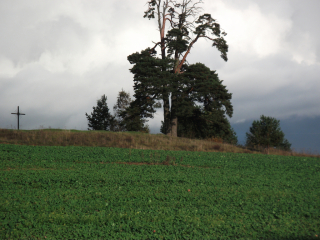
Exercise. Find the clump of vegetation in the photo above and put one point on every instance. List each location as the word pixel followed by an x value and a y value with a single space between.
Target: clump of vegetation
pixel 124 118
pixel 100 118
pixel 267 134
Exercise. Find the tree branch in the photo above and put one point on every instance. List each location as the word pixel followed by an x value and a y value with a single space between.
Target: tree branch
pixel 152 49
pixel 186 54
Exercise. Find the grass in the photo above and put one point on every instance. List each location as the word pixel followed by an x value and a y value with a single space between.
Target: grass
pixel 114 185
pixel 136 140
pixel 121 193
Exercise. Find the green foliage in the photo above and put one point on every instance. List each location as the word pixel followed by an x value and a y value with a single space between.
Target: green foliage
pixel 149 79
pixel 177 41
pixel 198 85
pixel 133 120
pixel 150 82
pixel 208 24
pixel 89 193
pixel 267 133
pixel 204 125
pixel 100 118
pixel 128 115
pixel 203 105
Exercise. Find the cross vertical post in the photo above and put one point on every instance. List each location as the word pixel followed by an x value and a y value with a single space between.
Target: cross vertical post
pixel 18 113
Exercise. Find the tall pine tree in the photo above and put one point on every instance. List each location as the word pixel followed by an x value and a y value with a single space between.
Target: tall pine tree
pixel 159 78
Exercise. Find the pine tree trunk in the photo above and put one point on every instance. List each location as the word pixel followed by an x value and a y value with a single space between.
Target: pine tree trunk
pixel 165 94
pixel 173 127
pixel 166 113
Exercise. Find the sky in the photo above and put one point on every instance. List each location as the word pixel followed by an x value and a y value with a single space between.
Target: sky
pixel 57 58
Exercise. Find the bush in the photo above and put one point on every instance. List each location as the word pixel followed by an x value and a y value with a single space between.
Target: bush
pixel 266 133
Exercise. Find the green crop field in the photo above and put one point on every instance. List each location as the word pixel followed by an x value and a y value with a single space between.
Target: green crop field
pixel 118 193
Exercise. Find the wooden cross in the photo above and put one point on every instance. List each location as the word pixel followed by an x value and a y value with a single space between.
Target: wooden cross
pixel 18 113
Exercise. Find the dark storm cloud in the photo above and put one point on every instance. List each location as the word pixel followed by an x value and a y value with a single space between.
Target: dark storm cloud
pixel 302 132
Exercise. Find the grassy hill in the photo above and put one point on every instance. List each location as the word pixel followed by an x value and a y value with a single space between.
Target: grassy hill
pixel 136 140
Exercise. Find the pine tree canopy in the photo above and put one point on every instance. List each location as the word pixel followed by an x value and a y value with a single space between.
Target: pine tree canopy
pixel 198 84
pixel 201 98
pixel 132 119
pixel 202 124
pixel 150 81
pixel 203 103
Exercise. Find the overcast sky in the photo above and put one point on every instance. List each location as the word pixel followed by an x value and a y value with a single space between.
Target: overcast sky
pixel 57 58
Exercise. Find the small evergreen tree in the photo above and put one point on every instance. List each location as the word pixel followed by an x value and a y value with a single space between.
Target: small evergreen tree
pixel 123 102
pixel 267 133
pixel 133 119
pixel 100 118
pixel 128 116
